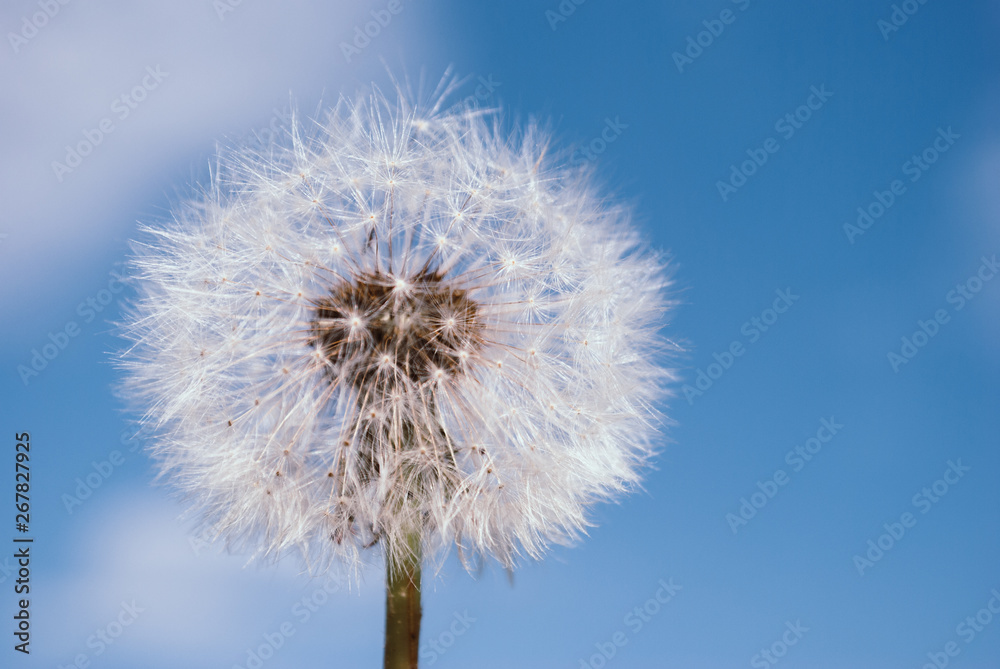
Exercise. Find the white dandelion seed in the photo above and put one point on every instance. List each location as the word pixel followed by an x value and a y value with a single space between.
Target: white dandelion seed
pixel 402 325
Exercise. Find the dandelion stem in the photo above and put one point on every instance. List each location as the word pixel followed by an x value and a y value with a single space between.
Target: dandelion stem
pixel 402 607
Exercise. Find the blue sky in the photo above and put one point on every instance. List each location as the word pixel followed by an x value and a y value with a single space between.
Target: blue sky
pixel 898 121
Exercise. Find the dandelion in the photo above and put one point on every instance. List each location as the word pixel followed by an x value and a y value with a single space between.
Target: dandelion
pixel 404 331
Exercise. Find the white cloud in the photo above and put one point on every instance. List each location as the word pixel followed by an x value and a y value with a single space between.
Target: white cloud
pixel 198 609
pixel 976 221
pixel 225 77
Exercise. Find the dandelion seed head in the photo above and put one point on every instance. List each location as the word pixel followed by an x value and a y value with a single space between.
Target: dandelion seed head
pixel 409 321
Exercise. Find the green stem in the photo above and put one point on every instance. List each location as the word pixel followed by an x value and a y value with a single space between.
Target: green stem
pixel 402 607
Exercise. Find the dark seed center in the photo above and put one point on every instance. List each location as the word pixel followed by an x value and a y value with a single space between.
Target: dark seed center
pixel 379 328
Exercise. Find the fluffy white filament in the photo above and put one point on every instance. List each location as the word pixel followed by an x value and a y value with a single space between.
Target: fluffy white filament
pixel 486 364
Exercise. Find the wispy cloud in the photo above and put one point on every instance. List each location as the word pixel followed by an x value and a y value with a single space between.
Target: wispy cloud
pixel 62 83
pixel 194 608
